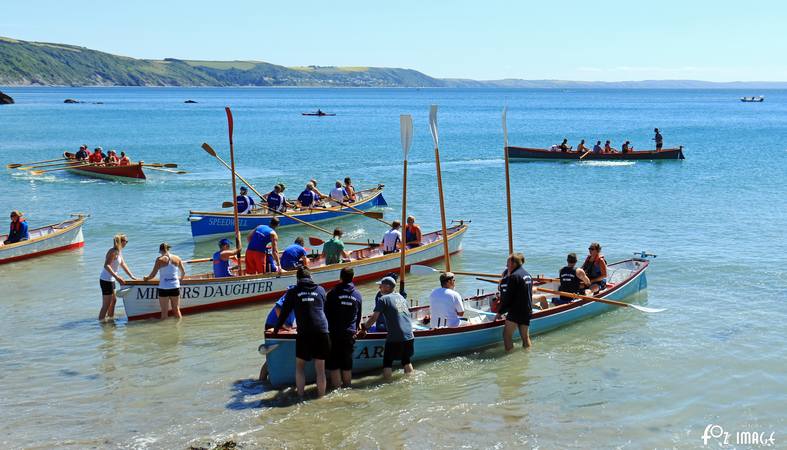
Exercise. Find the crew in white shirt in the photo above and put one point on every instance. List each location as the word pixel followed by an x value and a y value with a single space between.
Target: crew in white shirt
pixel 392 238
pixel 445 303
pixel 338 193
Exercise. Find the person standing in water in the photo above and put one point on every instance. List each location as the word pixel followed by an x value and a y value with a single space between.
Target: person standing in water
pixel 113 261
pixel 168 265
pixel 516 299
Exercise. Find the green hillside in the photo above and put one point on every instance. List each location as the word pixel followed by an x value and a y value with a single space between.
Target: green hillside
pixel 37 63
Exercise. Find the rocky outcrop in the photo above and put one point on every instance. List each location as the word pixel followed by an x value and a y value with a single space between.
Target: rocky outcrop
pixel 6 99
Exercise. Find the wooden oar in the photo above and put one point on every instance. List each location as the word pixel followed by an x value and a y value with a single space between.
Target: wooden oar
pixel 372 214
pixel 212 152
pixel 15 165
pixel 317 241
pixel 170 165
pixel 38 166
pixel 417 269
pixel 584 155
pixel 202 260
pixel 601 300
pixel 179 172
pixel 39 172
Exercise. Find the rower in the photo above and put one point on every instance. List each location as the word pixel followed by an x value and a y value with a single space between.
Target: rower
pixel 608 148
pixel 333 249
pixel 245 202
pixel 412 233
pixel 97 157
pixel 82 154
pixel 258 258
pixel 294 255
pixel 317 191
pixel 309 197
pixel 124 161
pixel 582 148
pixel 276 201
pixel 595 266
pixel 338 193
pixel 221 259
pixel 572 280
pixel 564 147
pixel 626 147
pixel 18 230
pixel 350 189
pixel 659 139
pixel 445 304
pixel 597 148
pixel 392 239
pixel 111 159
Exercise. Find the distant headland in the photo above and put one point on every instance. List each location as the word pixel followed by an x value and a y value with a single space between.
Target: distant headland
pixel 25 63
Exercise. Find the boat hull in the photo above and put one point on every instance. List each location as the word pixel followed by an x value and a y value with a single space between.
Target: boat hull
pixel 44 241
pixel 210 225
pixel 140 299
pixel 131 173
pixel 441 342
pixel 541 154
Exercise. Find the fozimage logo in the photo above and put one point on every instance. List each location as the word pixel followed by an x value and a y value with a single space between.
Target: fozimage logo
pixel 717 433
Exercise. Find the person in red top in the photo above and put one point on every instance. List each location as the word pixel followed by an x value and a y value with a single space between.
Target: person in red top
pixel 112 158
pixel 124 161
pixel 97 156
pixel 412 233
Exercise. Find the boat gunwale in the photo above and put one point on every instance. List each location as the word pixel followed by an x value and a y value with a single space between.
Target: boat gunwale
pixel 290 334
pixel 373 194
pixel 76 221
pixel 458 230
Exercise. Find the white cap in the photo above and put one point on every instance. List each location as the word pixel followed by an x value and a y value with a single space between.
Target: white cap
pixel 387 280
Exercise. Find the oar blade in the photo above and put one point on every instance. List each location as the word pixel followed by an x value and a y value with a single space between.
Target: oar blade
pixel 208 149
pixel 433 124
pixel 264 349
pixel 315 241
pixel 417 269
pixel 505 127
pixel 36 172
pixel 406 129
pixel 227 205
pixel 170 165
pixel 373 214
pixel 13 166
pixel 646 309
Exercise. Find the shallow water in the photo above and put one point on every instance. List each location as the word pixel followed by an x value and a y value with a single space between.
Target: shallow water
pixel 624 379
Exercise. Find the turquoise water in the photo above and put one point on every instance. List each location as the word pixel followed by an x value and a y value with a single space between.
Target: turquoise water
pixel 626 379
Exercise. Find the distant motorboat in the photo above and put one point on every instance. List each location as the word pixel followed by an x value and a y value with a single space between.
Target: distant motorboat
pixel 756 99
pixel 319 113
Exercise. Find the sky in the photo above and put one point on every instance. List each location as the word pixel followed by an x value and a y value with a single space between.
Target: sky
pixel 596 40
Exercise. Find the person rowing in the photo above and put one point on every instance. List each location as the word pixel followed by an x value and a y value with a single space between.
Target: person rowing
pixel 597 148
pixel 294 255
pixel 564 147
pixel 333 249
pixel 18 231
pixel 582 148
pixel 445 304
pixel 97 157
pixel 626 147
pixel 595 266
pixel 82 154
pixel 608 148
pixel 392 239
pixel 309 197
pixel 338 193
pixel 112 158
pixel 124 161
pixel 275 200
pixel 258 257
pixel 317 191
pixel 245 202
pixel 222 258
pixel 516 299
pixel 572 280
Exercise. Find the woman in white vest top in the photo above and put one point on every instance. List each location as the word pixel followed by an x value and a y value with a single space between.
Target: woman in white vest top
pixel 171 273
pixel 113 261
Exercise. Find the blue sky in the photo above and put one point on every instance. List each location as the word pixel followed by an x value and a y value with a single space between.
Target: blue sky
pixel 577 40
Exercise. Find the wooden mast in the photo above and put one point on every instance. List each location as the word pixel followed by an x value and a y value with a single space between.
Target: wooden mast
pixel 508 185
pixel 433 129
pixel 234 192
pixel 406 129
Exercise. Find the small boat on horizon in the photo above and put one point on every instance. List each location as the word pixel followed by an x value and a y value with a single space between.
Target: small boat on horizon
pixel 480 329
pixel 48 239
pixel 318 113
pixel 755 99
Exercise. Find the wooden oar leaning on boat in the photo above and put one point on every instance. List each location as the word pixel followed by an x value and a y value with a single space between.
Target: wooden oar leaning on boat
pixel 39 172
pixel 15 165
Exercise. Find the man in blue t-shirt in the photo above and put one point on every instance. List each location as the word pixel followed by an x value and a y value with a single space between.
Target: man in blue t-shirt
pixel 400 339
pixel 294 256
pixel 309 197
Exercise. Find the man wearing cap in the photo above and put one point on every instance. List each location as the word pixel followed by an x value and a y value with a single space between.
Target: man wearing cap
pixel 18 230
pixel 245 202
pixel 221 259
pixel 445 304
pixel 343 310
pixel 399 340
pixel 307 299
pixel 294 255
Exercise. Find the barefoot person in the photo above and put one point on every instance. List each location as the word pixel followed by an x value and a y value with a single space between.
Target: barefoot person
pixel 312 342
pixel 343 311
pixel 113 261
pixel 516 299
pixel 168 265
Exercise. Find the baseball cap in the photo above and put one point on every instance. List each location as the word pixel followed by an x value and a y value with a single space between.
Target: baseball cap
pixel 224 242
pixel 387 280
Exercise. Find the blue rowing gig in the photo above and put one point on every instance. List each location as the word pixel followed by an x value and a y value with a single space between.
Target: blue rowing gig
pixel 479 331
pixel 209 225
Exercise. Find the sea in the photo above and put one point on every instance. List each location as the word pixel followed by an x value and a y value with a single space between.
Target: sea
pixel 697 375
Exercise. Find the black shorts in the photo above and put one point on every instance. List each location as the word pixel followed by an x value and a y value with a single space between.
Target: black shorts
pixel 107 287
pixel 308 346
pixel 169 292
pixel 398 351
pixel 341 354
pixel 519 320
